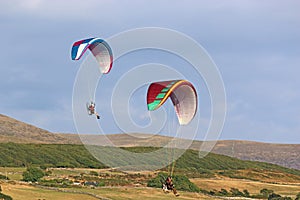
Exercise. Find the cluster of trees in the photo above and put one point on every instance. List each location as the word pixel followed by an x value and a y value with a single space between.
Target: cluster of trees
pixel 233 192
pixel 33 174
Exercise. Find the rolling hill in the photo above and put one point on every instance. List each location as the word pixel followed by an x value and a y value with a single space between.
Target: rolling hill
pixel 287 155
pixel 12 130
pixel 74 155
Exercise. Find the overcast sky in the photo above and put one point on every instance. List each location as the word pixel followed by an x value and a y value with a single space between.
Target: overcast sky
pixel 254 43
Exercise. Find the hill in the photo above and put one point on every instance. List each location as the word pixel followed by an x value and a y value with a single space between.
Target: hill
pixel 287 155
pixel 70 155
pixel 12 130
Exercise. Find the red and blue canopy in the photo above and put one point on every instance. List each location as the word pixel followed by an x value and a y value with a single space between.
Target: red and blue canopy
pixel 99 48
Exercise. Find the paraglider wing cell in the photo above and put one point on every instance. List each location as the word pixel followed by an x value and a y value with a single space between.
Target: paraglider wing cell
pixel 182 94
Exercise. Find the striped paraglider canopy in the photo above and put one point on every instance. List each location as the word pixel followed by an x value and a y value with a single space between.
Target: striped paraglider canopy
pixel 182 94
pixel 99 48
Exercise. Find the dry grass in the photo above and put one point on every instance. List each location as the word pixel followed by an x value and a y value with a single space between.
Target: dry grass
pixel 24 192
pixel 253 187
pixel 13 173
pixel 133 193
pixel 270 176
pixel 12 130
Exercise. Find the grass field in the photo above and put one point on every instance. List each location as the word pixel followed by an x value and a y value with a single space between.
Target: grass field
pixel 144 193
pixel 18 191
pixel 13 173
pixel 24 192
pixel 253 187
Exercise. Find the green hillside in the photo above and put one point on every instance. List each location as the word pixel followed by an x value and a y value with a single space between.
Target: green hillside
pixel 68 155
pixel 190 162
pixel 49 155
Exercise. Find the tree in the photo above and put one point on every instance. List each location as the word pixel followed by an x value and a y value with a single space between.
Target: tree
pixel 265 192
pixel 235 192
pixel 223 192
pixel 246 193
pixel 274 196
pixel 3 177
pixel 93 173
pixel 5 197
pixel 33 174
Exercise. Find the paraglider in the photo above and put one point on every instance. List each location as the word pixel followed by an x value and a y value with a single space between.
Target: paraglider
pixel 99 48
pixel 103 54
pixel 91 107
pixel 182 94
pixel 169 186
pixel 184 98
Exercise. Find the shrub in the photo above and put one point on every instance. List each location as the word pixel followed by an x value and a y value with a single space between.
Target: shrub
pixel 5 197
pixel 246 193
pixel 157 181
pixel 32 174
pixel 265 192
pixel 274 196
pixel 180 182
pixel 298 196
pixel 93 173
pixel 223 192
pixel 235 192
pixel 3 177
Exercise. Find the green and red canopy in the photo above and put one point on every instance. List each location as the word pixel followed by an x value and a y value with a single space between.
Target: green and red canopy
pixel 182 94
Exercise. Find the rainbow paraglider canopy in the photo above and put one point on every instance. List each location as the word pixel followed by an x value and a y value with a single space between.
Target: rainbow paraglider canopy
pixel 182 94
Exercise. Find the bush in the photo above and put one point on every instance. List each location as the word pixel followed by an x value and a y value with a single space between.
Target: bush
pixel 265 192
pixel 5 197
pixel 157 181
pixel 274 196
pixel 298 196
pixel 235 192
pixel 3 177
pixel 180 182
pixel 246 193
pixel 32 174
pixel 223 192
pixel 93 173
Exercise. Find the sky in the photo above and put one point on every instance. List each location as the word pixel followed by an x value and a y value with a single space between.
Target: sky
pixel 255 45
